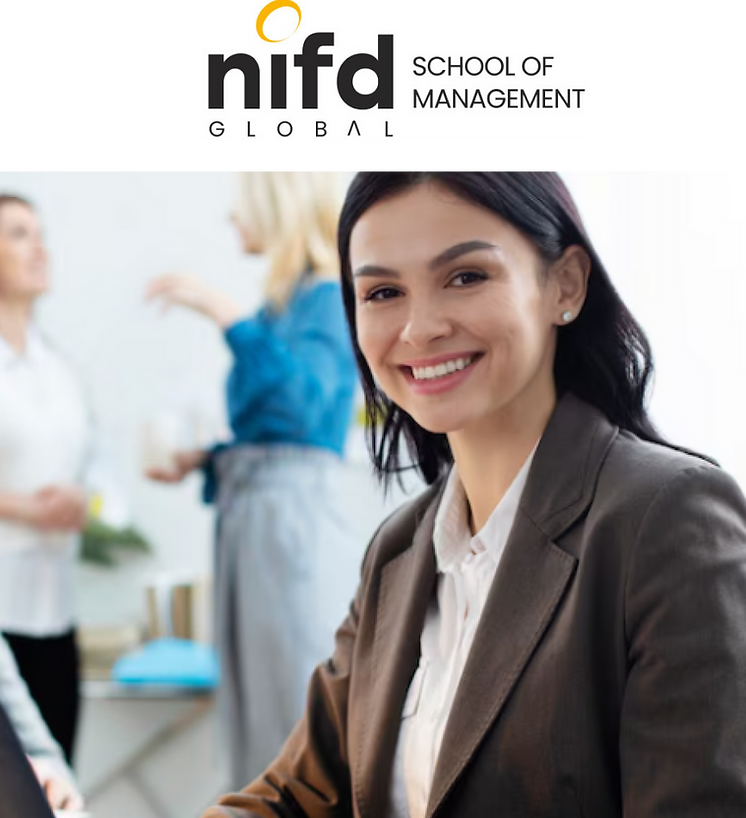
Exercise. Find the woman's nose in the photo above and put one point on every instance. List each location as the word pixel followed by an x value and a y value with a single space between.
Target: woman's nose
pixel 40 251
pixel 425 323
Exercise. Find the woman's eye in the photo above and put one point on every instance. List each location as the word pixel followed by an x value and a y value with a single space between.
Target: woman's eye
pixel 466 278
pixel 382 294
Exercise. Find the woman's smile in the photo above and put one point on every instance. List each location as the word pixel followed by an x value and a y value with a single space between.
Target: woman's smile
pixel 437 375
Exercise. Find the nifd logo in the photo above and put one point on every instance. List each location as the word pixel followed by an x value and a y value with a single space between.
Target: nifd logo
pixel 312 62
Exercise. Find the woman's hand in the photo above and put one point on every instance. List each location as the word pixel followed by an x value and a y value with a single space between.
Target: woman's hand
pixel 54 508
pixel 60 792
pixel 188 291
pixel 183 464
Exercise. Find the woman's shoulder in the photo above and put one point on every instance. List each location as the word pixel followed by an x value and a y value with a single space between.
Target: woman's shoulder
pixel 655 460
pixel 320 300
pixel 671 527
pixel 638 474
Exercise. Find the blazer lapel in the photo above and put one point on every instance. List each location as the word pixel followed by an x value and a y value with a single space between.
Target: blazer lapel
pixel 531 578
pixel 405 589
pixel 530 581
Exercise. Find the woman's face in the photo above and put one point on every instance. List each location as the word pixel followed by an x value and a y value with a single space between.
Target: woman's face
pixel 24 273
pixel 456 310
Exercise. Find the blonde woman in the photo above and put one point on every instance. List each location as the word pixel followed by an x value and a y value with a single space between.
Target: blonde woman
pixel 281 545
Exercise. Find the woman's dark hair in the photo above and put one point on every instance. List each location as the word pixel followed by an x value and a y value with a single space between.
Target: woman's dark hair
pixel 603 356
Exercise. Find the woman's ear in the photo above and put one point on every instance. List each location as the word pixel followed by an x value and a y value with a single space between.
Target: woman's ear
pixel 569 275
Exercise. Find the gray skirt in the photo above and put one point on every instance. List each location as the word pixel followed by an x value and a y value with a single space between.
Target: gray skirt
pixel 286 569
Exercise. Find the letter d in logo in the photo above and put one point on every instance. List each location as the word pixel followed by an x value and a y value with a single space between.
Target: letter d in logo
pixel 382 65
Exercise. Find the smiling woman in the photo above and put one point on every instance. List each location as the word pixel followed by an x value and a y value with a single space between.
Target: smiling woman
pixel 490 305
pixel 515 292
pixel 557 626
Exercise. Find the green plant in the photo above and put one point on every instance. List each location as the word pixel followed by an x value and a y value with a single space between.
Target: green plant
pixel 102 544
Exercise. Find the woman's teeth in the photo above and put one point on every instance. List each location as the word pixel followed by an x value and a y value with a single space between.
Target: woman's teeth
pixel 429 373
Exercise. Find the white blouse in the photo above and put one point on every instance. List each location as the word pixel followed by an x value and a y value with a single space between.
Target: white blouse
pixel 45 437
pixel 466 568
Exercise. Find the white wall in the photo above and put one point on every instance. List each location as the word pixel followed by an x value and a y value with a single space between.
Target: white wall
pixel 673 245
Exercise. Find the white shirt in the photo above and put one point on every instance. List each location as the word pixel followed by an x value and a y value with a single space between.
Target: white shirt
pixel 45 437
pixel 466 568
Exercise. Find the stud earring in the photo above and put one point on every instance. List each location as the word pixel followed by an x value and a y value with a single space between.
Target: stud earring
pixel 566 316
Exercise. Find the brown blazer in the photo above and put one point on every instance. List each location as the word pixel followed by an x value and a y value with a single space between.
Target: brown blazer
pixel 608 672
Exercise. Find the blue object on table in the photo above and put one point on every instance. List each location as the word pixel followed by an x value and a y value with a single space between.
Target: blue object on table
pixel 169 661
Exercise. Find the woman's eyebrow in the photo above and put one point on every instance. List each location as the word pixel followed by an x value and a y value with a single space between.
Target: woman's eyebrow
pixel 460 249
pixel 449 254
pixel 374 270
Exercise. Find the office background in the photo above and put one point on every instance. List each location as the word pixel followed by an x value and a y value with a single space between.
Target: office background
pixel 674 245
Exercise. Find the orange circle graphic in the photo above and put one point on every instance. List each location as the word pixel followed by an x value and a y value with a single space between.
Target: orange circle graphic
pixel 267 10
